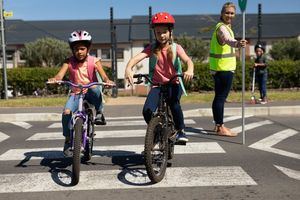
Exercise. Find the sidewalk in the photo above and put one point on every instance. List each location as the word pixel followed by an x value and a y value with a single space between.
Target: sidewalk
pixel 132 106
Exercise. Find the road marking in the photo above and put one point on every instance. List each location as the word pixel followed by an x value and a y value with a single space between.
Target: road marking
pixel 251 126
pixel 22 124
pixel 267 143
pixel 103 134
pixel 3 136
pixel 108 151
pixel 289 172
pixel 235 117
pixel 123 123
pixel 125 179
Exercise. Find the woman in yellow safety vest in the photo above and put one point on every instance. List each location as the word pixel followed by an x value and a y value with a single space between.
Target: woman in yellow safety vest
pixel 222 62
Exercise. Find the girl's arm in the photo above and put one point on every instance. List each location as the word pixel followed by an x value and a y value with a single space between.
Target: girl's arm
pixel 131 63
pixel 59 76
pixel 189 73
pixel 260 64
pixel 102 73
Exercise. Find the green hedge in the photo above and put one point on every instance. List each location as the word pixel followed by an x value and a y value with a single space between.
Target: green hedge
pixel 27 80
pixel 282 74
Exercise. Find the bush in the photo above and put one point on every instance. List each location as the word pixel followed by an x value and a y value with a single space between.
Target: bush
pixel 281 74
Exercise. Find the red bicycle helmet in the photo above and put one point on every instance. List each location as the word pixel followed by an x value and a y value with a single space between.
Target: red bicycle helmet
pixel 162 18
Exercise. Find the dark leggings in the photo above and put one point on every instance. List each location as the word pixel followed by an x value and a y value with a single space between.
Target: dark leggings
pixel 223 82
pixel 262 83
pixel 152 100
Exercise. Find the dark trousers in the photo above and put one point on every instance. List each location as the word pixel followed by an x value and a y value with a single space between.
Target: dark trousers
pixel 223 82
pixel 262 83
pixel 174 95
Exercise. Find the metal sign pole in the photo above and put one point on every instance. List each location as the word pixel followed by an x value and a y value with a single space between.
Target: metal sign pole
pixel 243 84
pixel 3 52
pixel 242 5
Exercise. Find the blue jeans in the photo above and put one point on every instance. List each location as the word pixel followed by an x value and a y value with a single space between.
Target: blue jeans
pixel 223 82
pixel 93 96
pixel 174 95
pixel 262 83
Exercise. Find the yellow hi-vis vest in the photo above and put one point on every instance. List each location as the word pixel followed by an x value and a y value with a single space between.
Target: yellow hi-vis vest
pixel 221 57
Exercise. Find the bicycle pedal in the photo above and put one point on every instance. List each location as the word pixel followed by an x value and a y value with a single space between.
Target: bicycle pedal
pixel 180 143
pixel 173 137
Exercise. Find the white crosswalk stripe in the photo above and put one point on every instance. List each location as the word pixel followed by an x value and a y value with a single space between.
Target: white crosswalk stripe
pixel 124 150
pixel 123 123
pixel 104 134
pixel 22 124
pixel 251 126
pixel 116 179
pixel 267 143
pixel 3 136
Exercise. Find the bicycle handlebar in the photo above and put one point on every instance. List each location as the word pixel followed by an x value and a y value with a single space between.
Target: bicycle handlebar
pixel 80 85
pixel 146 76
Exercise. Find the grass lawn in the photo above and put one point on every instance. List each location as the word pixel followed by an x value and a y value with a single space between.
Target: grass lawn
pixel 273 95
pixel 204 97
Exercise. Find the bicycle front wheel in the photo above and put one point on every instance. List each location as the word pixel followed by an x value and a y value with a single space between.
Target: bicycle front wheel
pixel 156 150
pixel 78 128
pixel 88 152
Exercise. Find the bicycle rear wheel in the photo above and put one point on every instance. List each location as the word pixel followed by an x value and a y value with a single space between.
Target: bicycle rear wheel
pixel 156 150
pixel 77 150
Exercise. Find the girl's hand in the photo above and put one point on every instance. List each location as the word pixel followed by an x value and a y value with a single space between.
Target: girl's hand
pixel 188 75
pixel 111 83
pixel 129 76
pixel 52 80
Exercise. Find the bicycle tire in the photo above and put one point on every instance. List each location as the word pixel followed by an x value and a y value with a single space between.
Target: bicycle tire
pixel 88 151
pixel 156 161
pixel 78 127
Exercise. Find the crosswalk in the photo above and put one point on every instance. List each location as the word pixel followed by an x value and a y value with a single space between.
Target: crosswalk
pixel 123 178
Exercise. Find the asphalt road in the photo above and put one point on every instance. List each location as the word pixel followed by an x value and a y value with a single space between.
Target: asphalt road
pixel 209 167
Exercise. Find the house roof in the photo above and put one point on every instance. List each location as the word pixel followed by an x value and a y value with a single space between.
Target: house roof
pixel 274 26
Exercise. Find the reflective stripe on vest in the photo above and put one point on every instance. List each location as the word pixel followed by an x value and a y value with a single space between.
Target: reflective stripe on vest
pixel 221 57
pixel 176 64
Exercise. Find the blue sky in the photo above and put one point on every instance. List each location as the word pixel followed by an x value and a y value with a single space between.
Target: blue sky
pixel 99 9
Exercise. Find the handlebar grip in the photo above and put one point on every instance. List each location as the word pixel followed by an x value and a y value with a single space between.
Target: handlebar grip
pixel 139 81
pixel 137 76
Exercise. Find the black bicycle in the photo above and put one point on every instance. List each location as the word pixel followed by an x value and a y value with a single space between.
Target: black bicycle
pixel 161 134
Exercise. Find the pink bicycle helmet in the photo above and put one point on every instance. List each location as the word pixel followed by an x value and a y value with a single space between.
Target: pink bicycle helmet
pixel 163 18
pixel 80 36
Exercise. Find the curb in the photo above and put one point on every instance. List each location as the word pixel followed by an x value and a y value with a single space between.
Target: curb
pixel 202 112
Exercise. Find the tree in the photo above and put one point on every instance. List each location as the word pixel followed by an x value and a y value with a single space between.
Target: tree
pixel 196 48
pixel 46 52
pixel 286 49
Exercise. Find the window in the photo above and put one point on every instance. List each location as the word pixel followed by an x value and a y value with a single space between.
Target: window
pixel 93 52
pixel 120 53
pixel 105 54
pixel 9 54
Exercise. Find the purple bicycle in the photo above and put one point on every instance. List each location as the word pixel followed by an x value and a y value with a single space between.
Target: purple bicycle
pixel 82 129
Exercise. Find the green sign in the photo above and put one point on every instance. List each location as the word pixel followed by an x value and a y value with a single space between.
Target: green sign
pixel 242 4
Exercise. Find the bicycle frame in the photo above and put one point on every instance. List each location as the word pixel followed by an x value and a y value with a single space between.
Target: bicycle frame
pixel 80 123
pixel 163 107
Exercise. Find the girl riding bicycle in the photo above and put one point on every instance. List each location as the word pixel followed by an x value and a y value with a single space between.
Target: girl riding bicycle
pixel 164 57
pixel 82 69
